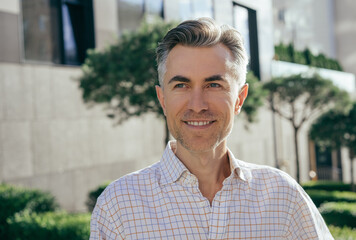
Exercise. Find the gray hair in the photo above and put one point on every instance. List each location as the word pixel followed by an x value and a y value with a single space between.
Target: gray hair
pixel 204 32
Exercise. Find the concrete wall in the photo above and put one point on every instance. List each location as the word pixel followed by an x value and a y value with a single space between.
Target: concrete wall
pixel 10 41
pixel 51 140
pixel 345 32
pixel 106 22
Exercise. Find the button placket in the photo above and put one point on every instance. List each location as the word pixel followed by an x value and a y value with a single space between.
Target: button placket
pixel 218 216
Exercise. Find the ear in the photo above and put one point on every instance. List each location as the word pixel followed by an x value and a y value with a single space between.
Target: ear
pixel 159 92
pixel 241 98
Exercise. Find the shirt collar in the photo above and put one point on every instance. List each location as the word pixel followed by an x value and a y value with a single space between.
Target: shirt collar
pixel 172 168
pixel 238 168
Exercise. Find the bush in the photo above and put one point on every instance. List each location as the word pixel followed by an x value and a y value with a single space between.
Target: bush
pixel 322 196
pixel 327 185
pixel 51 225
pixel 344 233
pixel 16 199
pixel 339 213
pixel 284 52
pixel 287 53
pixel 93 195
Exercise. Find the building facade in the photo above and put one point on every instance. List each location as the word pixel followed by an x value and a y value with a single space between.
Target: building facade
pixel 325 27
pixel 49 139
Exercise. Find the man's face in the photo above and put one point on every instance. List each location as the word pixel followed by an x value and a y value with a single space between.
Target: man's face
pixel 200 96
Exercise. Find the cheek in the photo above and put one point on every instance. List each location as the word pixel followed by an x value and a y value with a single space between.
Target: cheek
pixel 174 105
pixel 224 103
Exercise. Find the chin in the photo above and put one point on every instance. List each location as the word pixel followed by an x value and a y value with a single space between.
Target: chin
pixel 197 146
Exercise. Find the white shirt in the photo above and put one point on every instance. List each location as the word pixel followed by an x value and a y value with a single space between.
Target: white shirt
pixel 163 201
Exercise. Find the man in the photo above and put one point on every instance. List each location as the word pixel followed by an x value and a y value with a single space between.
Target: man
pixel 199 190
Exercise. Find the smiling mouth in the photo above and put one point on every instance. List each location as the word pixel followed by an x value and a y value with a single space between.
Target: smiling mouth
pixel 198 123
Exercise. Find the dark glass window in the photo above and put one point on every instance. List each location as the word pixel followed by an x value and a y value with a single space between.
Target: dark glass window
pixel 190 9
pixel 245 21
pixel 39 28
pixel 132 12
pixel 57 31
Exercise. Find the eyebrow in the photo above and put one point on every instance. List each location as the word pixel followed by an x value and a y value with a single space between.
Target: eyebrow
pixel 217 77
pixel 180 78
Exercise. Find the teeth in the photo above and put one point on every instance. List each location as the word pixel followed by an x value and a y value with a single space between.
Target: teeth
pixel 199 123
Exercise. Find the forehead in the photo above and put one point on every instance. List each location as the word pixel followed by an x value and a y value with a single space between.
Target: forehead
pixel 198 61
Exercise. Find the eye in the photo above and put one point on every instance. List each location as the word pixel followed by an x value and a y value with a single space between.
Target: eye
pixel 214 85
pixel 179 85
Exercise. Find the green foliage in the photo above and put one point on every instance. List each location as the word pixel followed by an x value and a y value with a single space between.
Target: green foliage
pixel 327 185
pixel 124 75
pixel 335 129
pixel 93 196
pixel 254 100
pixel 343 233
pixel 16 199
pixel 312 92
pixel 299 58
pixel 322 196
pixel 50 225
pixel 284 53
pixel 288 53
pixel 339 213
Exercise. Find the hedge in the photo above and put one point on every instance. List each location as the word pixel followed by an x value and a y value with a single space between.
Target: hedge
pixel 339 213
pixel 15 199
pixel 322 196
pixel 93 195
pixel 327 185
pixel 289 54
pixel 49 226
pixel 344 233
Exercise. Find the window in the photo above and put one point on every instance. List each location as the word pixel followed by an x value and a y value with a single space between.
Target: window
pixel 191 9
pixel 328 163
pixel 282 15
pixel 57 31
pixel 245 21
pixel 132 12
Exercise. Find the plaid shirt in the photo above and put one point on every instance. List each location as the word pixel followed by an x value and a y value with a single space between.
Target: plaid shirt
pixel 163 201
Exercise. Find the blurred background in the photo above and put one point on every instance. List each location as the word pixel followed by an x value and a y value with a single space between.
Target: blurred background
pixel 53 139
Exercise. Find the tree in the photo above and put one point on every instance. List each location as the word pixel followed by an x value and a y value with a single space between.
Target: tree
pixel 336 129
pixel 123 76
pixel 299 98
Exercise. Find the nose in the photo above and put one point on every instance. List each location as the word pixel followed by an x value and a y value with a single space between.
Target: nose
pixel 197 101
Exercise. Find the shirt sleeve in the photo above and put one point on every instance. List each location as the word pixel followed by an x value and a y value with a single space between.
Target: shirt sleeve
pixel 102 226
pixel 305 220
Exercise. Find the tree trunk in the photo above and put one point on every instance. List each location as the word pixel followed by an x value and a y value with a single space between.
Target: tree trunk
pixel 353 187
pixel 352 156
pixel 296 153
pixel 274 136
pixel 166 139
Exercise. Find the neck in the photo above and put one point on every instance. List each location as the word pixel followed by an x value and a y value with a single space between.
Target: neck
pixel 210 167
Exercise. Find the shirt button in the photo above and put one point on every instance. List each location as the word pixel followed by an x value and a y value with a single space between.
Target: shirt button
pixel 202 204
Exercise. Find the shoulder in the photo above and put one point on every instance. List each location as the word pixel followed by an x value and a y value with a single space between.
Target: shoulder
pixel 267 174
pixel 271 181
